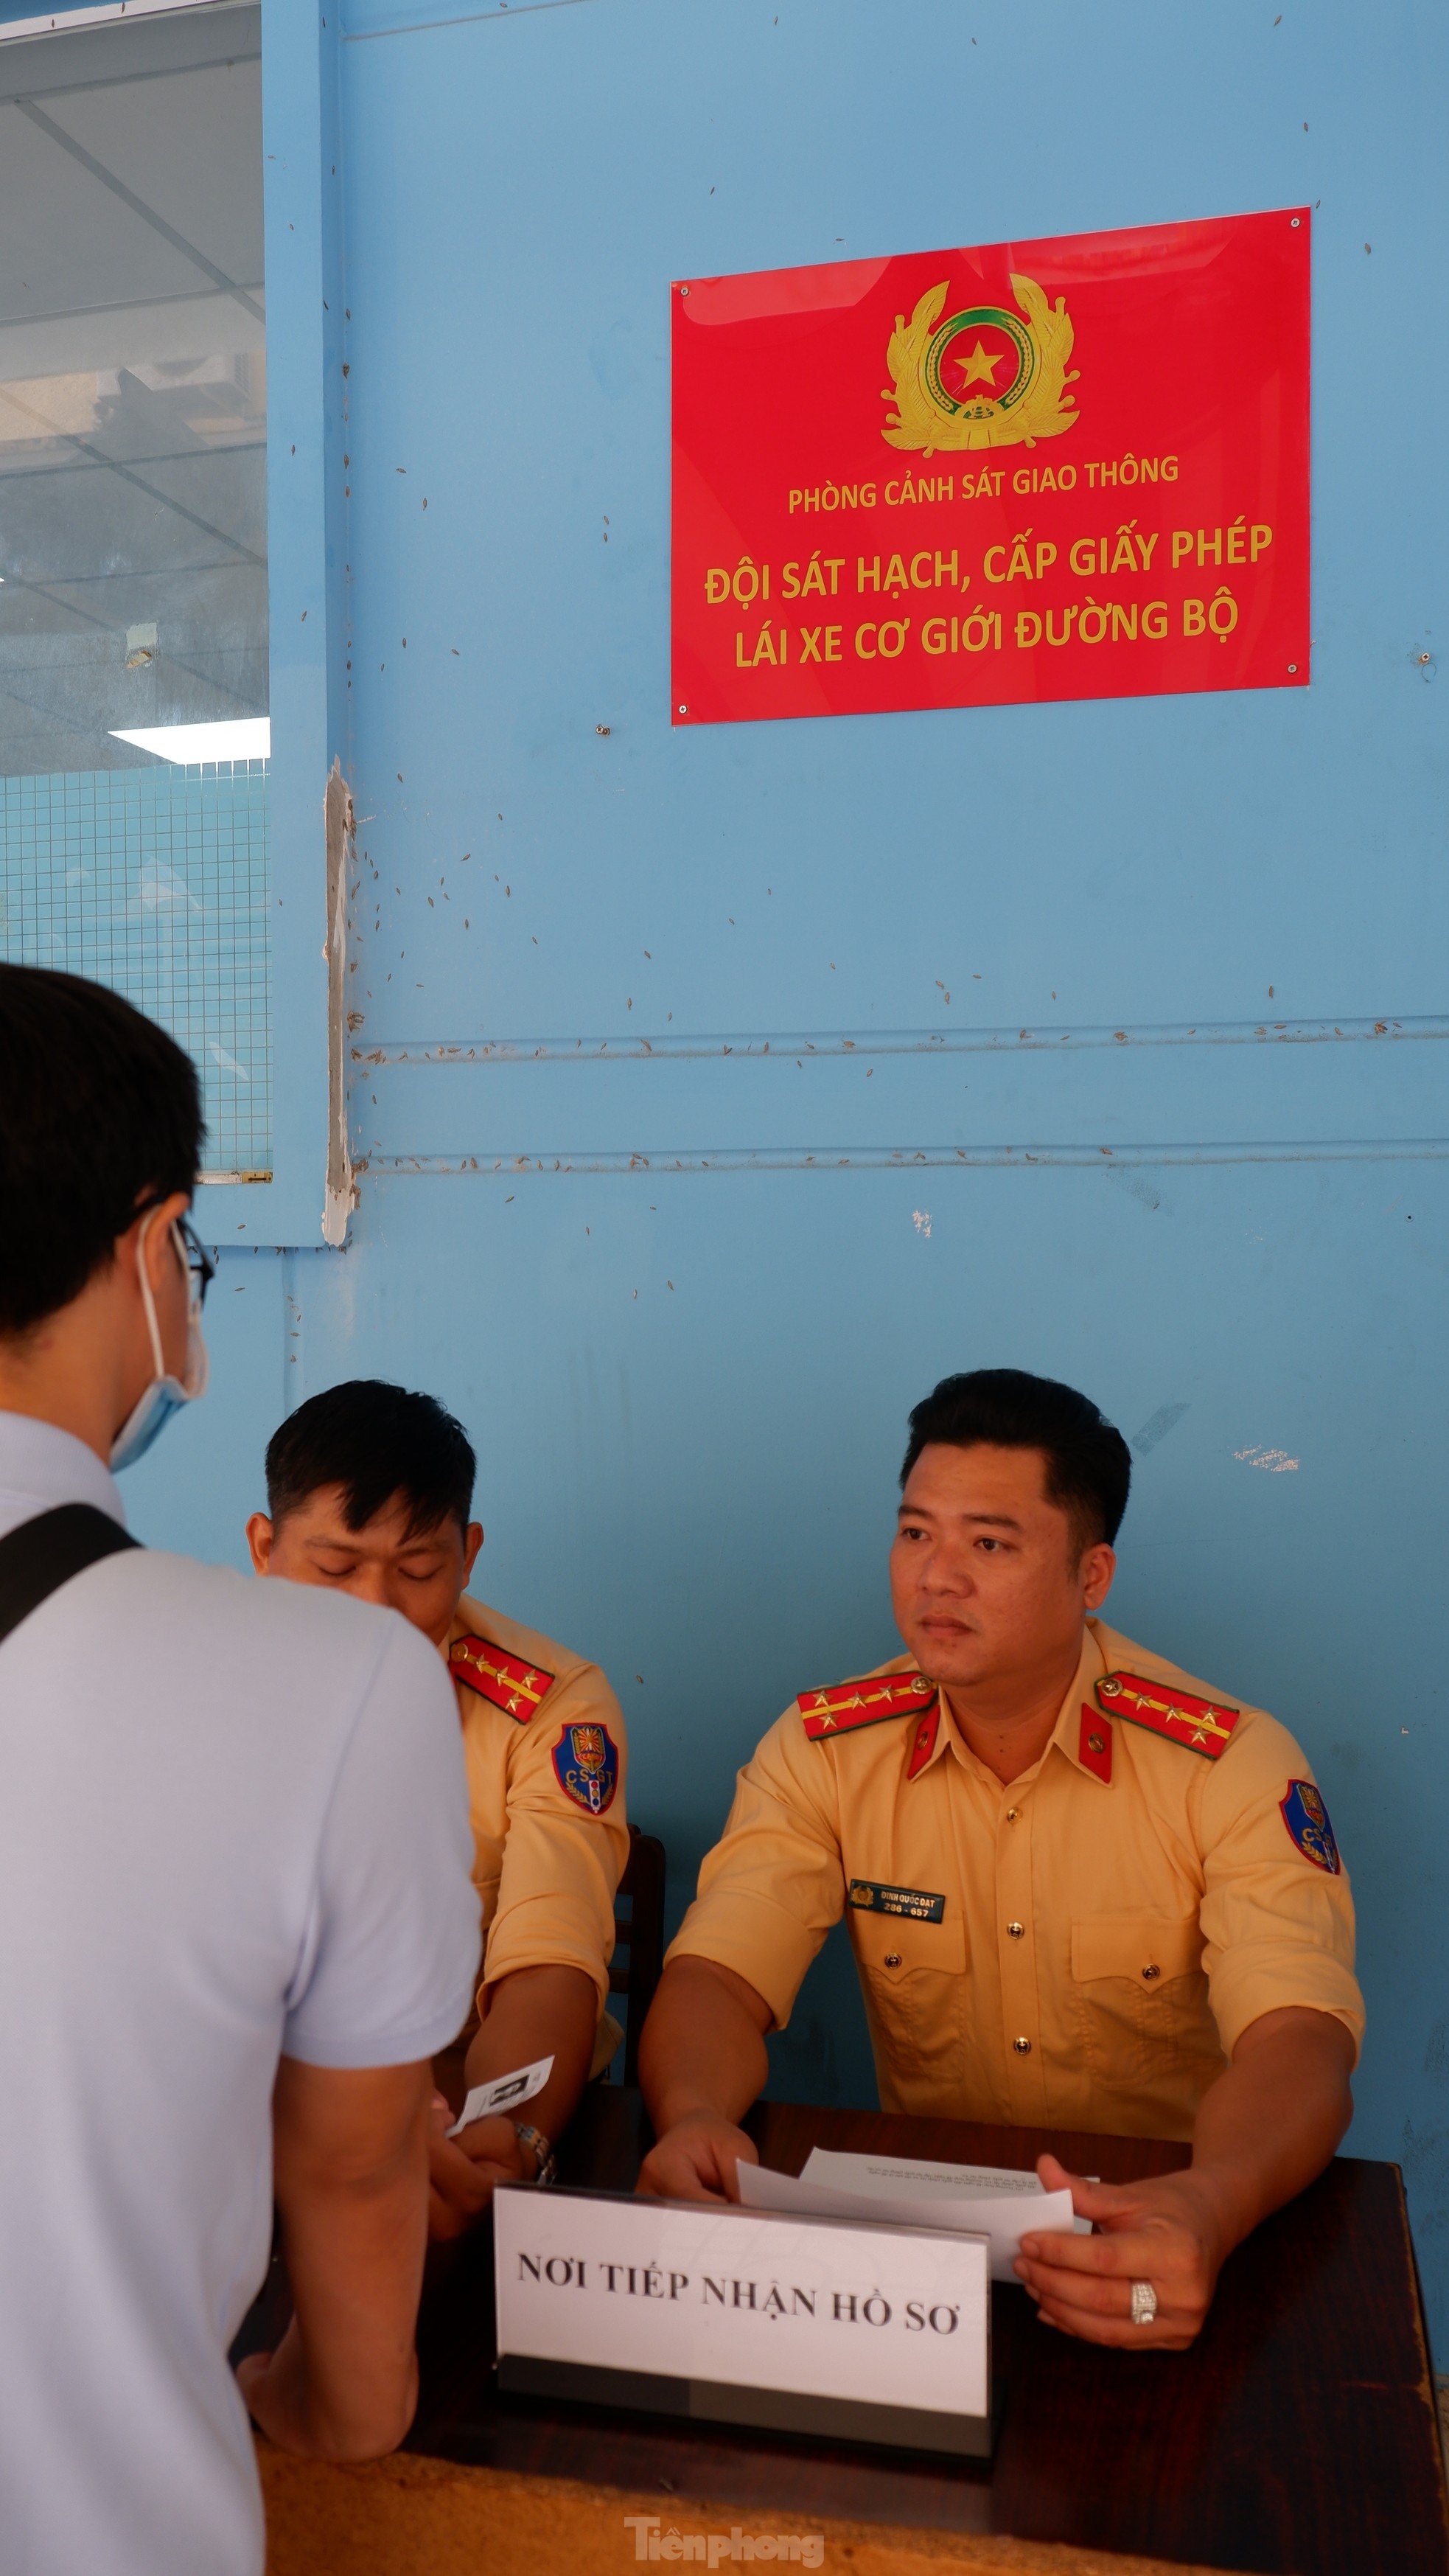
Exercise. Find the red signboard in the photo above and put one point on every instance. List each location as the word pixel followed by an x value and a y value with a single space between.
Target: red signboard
pixel 1050 469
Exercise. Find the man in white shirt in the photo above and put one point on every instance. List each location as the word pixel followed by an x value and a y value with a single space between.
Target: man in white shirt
pixel 236 1911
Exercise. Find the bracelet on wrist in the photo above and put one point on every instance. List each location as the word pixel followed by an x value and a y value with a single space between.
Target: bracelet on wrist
pixel 544 2165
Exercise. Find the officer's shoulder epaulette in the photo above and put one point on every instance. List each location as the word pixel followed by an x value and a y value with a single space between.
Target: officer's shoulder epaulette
pixel 512 1685
pixel 863 1703
pixel 1203 1725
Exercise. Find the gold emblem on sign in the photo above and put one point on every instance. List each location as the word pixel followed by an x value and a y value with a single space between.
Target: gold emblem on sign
pixel 981 378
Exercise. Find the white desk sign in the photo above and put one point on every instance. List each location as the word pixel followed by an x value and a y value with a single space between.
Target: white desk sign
pixel 831 2327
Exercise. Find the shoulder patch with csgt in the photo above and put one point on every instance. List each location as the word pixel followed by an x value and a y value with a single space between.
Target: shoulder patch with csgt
pixel 1306 1818
pixel 586 1766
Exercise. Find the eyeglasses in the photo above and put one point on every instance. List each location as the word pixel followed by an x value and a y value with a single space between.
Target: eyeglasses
pixel 198 1260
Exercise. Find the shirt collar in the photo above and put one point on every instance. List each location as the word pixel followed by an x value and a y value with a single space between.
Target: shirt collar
pixel 937 1719
pixel 467 1621
pixel 41 1465
pixel 1066 1735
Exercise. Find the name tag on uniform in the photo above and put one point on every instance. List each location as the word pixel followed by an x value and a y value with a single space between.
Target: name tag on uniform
pixel 869 1897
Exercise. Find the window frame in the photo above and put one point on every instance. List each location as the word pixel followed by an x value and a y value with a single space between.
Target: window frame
pixel 307 1201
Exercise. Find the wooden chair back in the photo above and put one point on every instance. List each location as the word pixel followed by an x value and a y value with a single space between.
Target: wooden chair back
pixel 638 1939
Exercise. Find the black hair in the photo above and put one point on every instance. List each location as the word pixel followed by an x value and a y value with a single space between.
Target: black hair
pixel 100 1116
pixel 1088 1466
pixel 375 1441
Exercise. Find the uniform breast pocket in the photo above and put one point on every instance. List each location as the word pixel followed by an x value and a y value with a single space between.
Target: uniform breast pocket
pixel 1140 1991
pixel 914 1977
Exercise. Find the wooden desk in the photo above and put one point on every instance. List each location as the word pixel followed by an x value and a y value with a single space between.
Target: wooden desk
pixel 1299 2437
pixel 1299 2434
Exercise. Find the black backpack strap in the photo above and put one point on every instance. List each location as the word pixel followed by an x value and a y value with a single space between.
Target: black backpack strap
pixel 43 1553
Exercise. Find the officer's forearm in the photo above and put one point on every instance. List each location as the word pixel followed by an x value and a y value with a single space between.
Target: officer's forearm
pixel 1268 2126
pixel 703 2047
pixel 540 2012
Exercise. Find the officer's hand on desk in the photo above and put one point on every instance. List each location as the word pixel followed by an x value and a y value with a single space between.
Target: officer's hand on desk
pixel 462 2171
pixel 1265 2130
pixel 696 2160
pixel 1163 2231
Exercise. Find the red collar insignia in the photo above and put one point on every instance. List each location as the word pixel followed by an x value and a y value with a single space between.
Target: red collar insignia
pixel 1094 1745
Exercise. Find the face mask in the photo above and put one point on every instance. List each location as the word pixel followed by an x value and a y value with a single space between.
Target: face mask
pixel 166 1394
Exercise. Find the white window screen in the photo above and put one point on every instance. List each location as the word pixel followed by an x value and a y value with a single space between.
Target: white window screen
pixel 133 604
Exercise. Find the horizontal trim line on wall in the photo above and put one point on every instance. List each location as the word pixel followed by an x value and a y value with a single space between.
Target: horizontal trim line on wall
pixel 664 1047
pixel 887 1099
pixel 456 18
pixel 875 1158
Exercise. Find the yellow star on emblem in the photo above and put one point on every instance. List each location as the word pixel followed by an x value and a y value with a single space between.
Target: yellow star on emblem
pixel 979 368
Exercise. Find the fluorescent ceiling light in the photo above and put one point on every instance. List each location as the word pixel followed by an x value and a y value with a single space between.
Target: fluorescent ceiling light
pixel 237 738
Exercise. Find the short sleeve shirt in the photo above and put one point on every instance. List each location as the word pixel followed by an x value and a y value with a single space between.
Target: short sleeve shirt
pixel 1081 1949
pixel 543 1740
pixel 234 1826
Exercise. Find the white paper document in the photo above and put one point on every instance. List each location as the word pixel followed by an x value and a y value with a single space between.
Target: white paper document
pixel 967 2200
pixel 505 2093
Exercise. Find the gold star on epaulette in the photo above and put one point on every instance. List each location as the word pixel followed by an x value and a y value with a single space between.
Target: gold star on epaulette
pixel 863 1703
pixel 515 1687
pixel 1202 1725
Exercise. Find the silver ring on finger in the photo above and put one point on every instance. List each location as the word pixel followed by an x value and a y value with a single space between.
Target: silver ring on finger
pixel 1144 2303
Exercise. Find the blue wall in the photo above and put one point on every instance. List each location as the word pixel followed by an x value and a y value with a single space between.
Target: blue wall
pixel 686 1297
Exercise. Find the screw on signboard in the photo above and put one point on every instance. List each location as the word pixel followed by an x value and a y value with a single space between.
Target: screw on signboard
pixel 684 290
pixel 1295 220
pixel 682 711
pixel 1292 667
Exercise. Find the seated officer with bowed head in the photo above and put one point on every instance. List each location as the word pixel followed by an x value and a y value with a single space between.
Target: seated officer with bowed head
pixel 1084 1890
pixel 369 1489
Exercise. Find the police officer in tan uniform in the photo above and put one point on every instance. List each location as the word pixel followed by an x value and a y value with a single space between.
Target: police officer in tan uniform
pixel 369 1490
pixel 1084 1889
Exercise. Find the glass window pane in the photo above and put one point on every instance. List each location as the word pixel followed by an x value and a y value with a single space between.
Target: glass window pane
pixel 134 734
